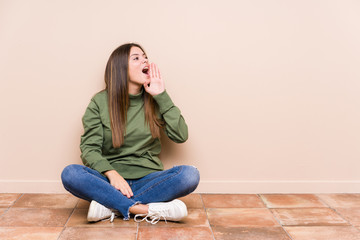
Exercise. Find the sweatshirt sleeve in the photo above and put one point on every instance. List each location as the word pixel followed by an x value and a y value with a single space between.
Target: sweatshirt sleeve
pixel 92 140
pixel 175 126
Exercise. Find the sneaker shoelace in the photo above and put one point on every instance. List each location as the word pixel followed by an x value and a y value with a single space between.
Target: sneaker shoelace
pixel 154 217
pixel 111 218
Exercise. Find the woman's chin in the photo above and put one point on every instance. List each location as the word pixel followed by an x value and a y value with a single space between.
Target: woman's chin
pixel 140 80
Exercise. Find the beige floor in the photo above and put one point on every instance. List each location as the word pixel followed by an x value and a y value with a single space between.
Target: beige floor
pixel 211 216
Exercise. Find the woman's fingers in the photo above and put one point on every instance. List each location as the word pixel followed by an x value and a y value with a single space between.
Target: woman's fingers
pixel 151 70
pixel 156 83
pixel 154 71
pixel 130 192
pixel 119 183
pixel 126 190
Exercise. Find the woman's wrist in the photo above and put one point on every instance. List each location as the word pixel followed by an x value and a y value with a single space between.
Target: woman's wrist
pixel 158 93
pixel 111 173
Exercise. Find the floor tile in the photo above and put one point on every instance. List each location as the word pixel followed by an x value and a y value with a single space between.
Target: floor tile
pixel 35 217
pixel 46 201
pixel 193 201
pixel 252 233
pixel 323 233
pixel 341 200
pixel 2 210
pixel 308 216
pixel 232 201
pixel 98 233
pixel 291 200
pixel 196 233
pixel 241 217
pixel 83 204
pixel 78 219
pixel 8 199
pixel 232 216
pixel 30 233
pixel 195 218
pixel 350 214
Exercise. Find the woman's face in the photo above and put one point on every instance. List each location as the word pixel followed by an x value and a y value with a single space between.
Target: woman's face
pixel 138 67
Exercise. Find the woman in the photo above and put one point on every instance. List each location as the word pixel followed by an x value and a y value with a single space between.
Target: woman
pixel 120 145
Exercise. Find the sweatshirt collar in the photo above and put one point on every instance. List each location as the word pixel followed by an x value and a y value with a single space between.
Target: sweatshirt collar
pixel 136 99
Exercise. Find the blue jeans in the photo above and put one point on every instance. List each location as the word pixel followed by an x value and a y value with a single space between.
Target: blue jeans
pixel 161 186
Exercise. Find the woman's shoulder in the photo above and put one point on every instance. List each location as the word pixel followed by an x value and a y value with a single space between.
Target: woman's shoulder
pixel 98 104
pixel 99 100
pixel 100 96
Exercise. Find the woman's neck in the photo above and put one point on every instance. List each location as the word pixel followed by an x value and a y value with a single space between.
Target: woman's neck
pixel 134 89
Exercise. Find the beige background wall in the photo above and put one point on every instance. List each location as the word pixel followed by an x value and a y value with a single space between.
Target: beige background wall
pixel 269 89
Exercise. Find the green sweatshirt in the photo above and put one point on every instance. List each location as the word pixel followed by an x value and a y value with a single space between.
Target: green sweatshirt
pixel 138 155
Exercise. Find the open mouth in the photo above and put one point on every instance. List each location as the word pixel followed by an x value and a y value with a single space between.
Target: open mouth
pixel 145 70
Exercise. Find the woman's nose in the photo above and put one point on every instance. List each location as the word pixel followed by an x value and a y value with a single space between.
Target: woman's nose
pixel 145 60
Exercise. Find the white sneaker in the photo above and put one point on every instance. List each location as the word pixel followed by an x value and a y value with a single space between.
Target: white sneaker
pixel 99 212
pixel 172 211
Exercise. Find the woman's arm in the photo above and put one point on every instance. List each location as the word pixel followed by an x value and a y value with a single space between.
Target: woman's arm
pixel 92 140
pixel 175 126
pixel 91 145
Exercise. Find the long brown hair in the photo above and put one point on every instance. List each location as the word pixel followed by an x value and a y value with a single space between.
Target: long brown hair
pixel 117 80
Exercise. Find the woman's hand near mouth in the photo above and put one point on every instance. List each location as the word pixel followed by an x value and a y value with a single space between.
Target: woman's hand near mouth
pixel 155 85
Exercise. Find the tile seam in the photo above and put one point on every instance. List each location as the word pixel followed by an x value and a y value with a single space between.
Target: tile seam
pixel 321 200
pixel 345 223
pixel 61 233
pixel 207 217
pixel 17 200
pixel 262 200
pixel 72 212
pixel 334 209
pixel 348 221
pixel 8 208
pixel 64 227
pixel 278 221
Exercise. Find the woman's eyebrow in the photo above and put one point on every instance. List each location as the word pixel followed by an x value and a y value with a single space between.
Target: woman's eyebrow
pixel 137 54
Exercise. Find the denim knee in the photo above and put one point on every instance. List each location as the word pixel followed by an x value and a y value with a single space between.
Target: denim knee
pixel 191 177
pixel 69 173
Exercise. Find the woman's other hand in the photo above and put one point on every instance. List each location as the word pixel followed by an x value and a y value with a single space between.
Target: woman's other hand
pixel 155 85
pixel 119 183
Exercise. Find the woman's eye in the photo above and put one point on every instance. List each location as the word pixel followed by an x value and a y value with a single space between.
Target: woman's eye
pixel 137 58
